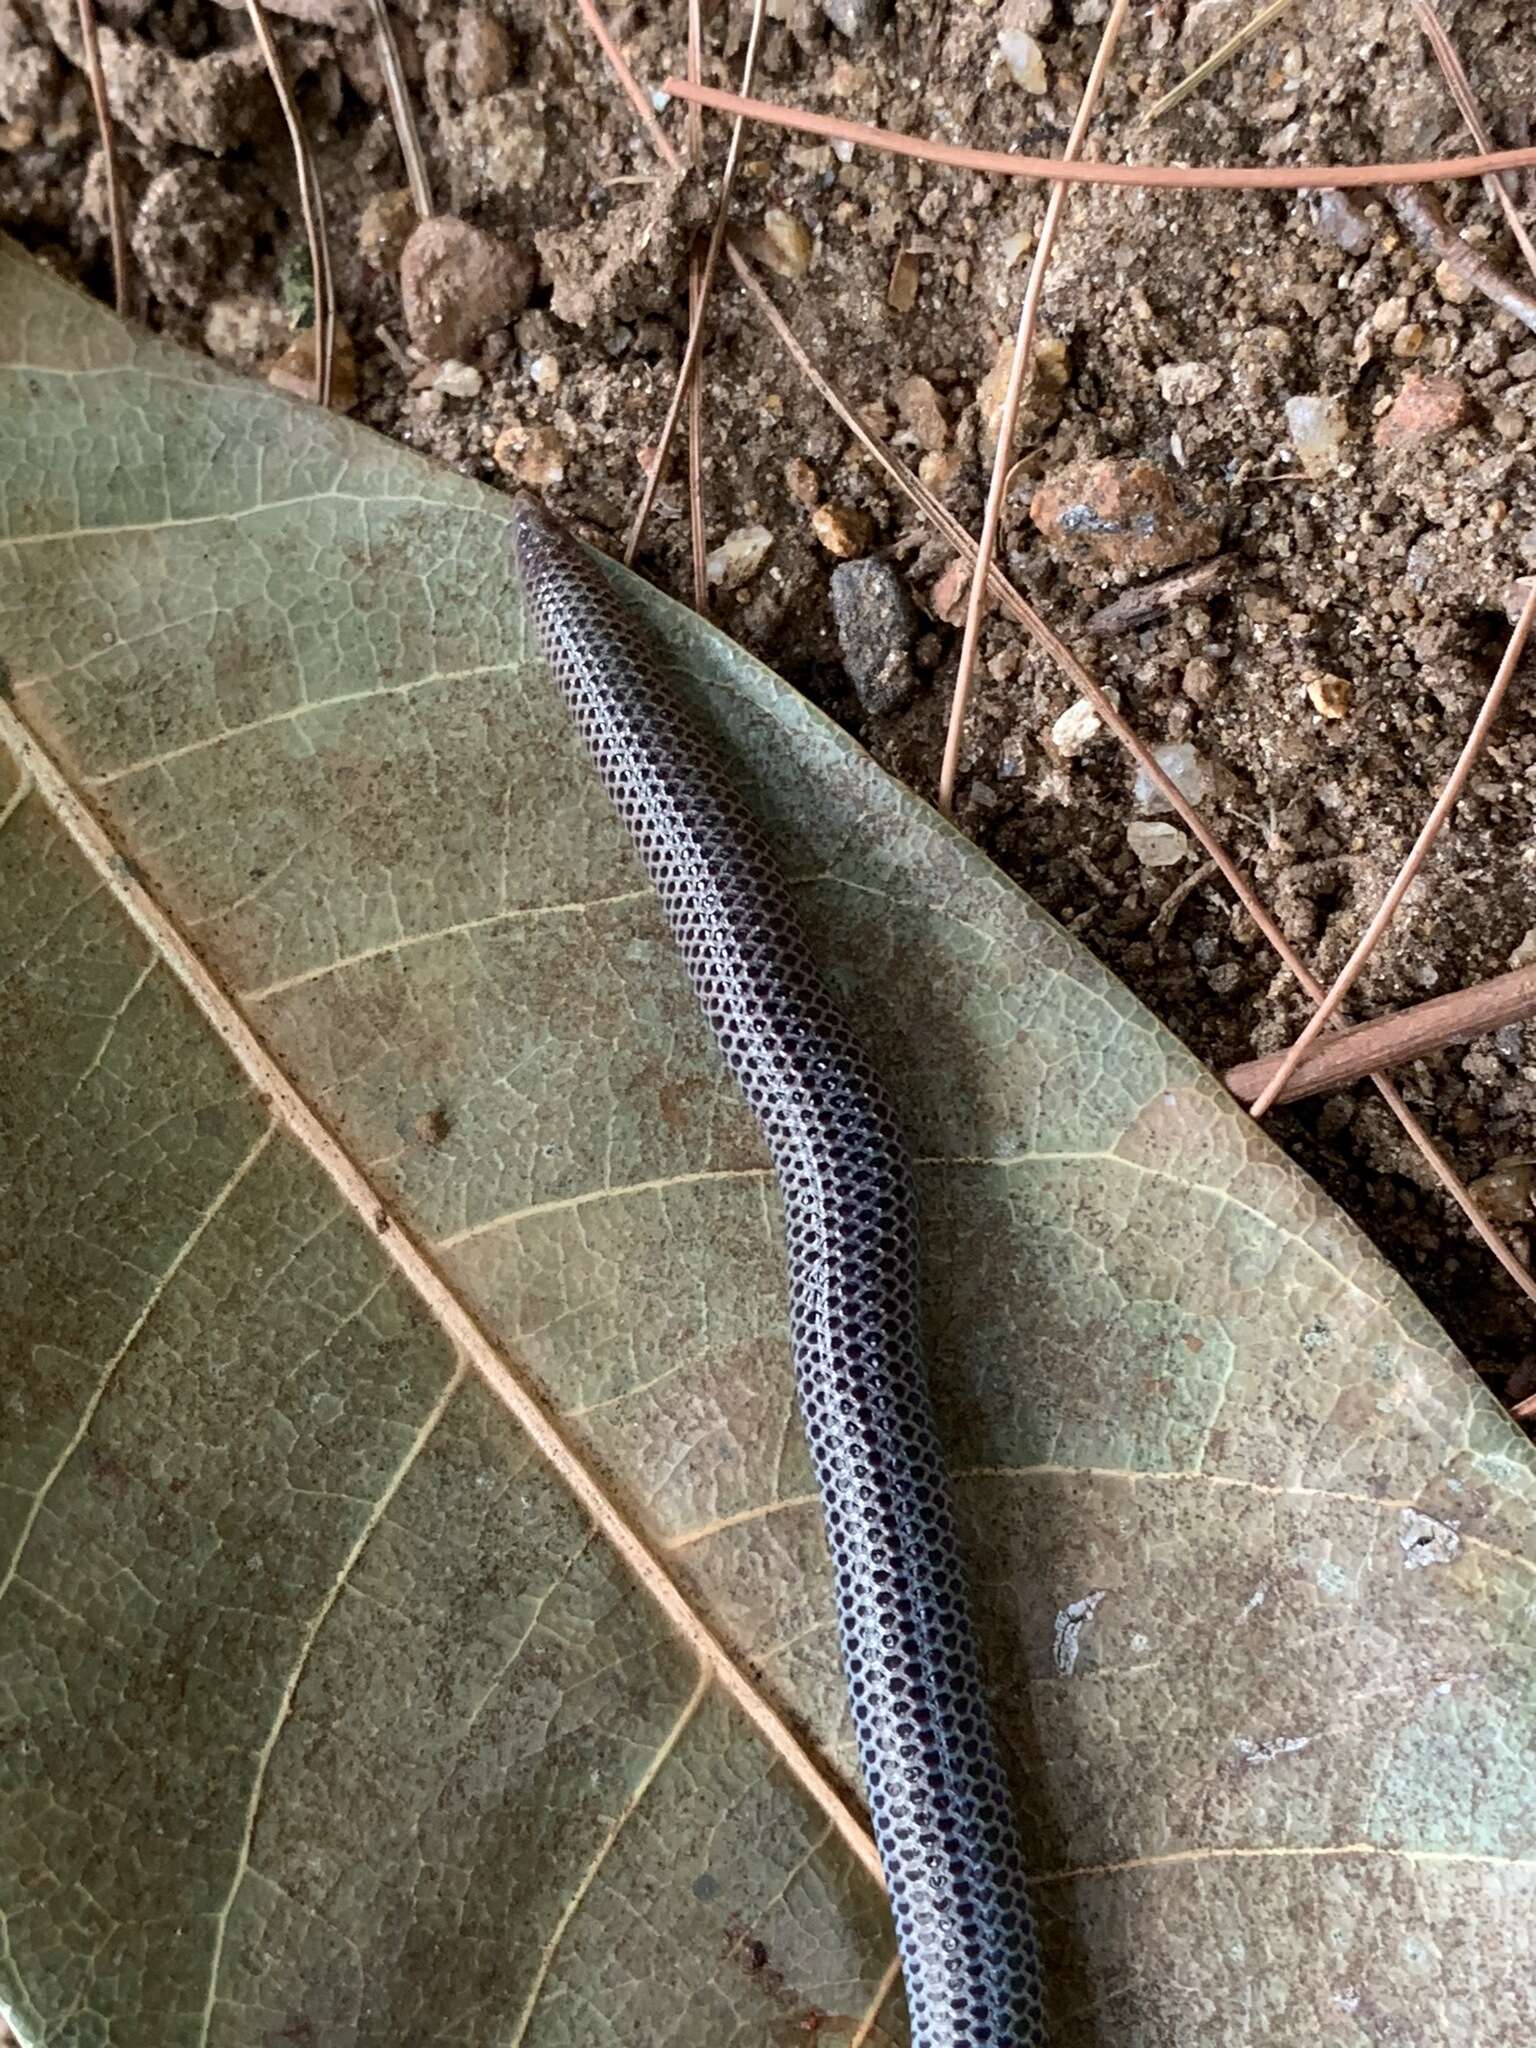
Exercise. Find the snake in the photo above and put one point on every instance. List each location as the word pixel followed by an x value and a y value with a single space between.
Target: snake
pixel 938 1799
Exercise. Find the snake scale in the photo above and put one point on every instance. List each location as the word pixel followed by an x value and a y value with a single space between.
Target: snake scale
pixel 937 1795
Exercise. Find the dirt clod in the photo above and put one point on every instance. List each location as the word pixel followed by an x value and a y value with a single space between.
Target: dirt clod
pixel 456 284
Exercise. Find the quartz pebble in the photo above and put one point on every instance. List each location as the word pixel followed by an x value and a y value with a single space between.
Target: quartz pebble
pixel 739 557
pixel 1156 846
pixel 1024 58
pixel 1185 770
pixel 1318 427
pixel 1076 728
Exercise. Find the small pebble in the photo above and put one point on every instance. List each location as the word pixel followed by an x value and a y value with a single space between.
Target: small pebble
pixel 1329 694
pixel 876 627
pixel 246 330
pixel 739 557
pixel 950 596
pixel 1423 410
pixel 1024 58
pixel 782 244
pixel 1188 383
pixel 482 54
pixel 1344 222
pixel 1184 769
pixel 901 292
pixel 1455 289
pixel 918 404
pixel 533 454
pixel 1508 1193
pixel 545 373
pixel 801 481
pixel 1076 728
pixel 842 529
pixel 939 472
pixel 458 380
pixel 1517 596
pixel 855 19
pixel 1318 427
pixel 1121 514
pixel 1044 395
pixel 1156 846
pixel 1201 680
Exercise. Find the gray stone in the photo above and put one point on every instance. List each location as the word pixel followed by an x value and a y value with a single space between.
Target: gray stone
pixel 856 18
pixel 876 626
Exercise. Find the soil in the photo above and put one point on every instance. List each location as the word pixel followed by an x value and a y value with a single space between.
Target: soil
pixel 1324 678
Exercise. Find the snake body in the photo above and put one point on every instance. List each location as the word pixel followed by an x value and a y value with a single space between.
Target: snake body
pixel 937 1795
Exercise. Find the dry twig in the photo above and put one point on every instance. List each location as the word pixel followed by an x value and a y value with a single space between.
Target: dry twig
pixel 98 83
pixel 1461 91
pixel 1392 1041
pixel 1421 214
pixel 698 547
pixel 1018 370
pixel 309 200
pixel 1161 177
pixel 1444 804
pixel 1193 80
pixel 696 326
pixel 1149 601
pixel 401 111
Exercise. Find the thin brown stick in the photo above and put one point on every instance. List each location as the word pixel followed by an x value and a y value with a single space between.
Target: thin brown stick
pixel 1421 215
pixel 1193 80
pixel 1018 370
pixel 1162 177
pixel 400 110
pixel 309 200
pixel 698 541
pixel 117 232
pixel 422 1272
pixel 1392 1041
pixel 1444 804
pixel 1177 898
pixel 1524 1410
pixel 634 92
pixel 695 344
pixel 944 521
pixel 1456 78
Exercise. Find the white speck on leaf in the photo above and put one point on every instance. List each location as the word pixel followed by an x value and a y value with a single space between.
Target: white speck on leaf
pixel 1070 1623
pixel 1253 1752
pixel 1425 1541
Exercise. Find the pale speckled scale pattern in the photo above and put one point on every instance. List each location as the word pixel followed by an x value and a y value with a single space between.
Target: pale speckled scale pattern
pixel 1284 1787
pixel 938 1797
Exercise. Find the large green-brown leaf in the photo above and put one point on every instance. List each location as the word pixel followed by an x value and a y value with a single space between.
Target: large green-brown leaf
pixel 334 1715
